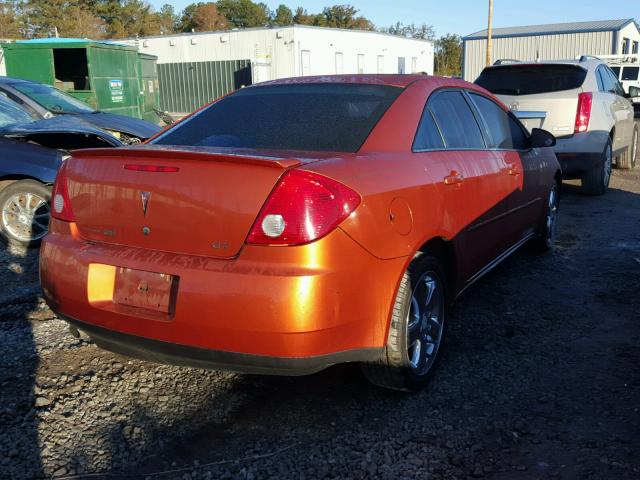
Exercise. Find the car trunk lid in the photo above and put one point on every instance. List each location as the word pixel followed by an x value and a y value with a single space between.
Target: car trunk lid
pixel 182 201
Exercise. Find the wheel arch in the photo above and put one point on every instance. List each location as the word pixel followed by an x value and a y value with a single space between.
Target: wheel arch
pixel 444 251
pixel 7 180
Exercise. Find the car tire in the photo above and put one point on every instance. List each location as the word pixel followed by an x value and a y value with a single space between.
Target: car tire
pixel 416 330
pixel 24 212
pixel 546 237
pixel 596 181
pixel 628 159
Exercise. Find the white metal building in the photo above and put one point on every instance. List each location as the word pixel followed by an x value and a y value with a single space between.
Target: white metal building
pixel 550 42
pixel 281 52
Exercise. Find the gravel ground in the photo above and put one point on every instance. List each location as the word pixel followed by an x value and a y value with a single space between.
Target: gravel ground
pixel 540 379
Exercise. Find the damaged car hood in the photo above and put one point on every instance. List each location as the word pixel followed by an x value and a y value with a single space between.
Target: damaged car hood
pixel 119 123
pixel 58 125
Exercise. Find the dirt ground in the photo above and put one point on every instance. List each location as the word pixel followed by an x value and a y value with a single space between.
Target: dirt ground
pixel 540 378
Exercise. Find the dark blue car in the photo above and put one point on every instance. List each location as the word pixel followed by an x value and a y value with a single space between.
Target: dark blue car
pixel 31 151
pixel 44 101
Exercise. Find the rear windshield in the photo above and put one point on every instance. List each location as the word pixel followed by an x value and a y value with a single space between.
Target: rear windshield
pixel 319 117
pixel 531 79
pixel 630 73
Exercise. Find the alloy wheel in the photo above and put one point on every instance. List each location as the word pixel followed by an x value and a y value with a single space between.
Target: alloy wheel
pixel 425 322
pixel 552 214
pixel 25 216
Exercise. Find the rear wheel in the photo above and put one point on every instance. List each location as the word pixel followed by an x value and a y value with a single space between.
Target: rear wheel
pixel 24 212
pixel 416 331
pixel 628 159
pixel 548 233
pixel 596 181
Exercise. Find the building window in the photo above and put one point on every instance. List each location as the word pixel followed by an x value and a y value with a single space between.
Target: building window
pixel 380 64
pixel 414 64
pixel 635 48
pixel 305 62
pixel 360 63
pixel 339 63
pixel 401 68
pixel 625 46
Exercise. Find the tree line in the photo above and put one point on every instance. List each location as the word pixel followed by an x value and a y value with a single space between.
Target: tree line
pixel 105 19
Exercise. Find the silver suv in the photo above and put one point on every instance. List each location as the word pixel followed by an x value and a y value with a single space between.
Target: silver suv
pixel 582 103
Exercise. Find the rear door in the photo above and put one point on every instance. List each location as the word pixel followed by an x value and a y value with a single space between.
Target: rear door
pixel 474 186
pixel 525 167
pixel 550 88
pixel 620 108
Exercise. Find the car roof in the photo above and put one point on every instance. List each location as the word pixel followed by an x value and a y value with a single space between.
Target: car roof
pixel 393 80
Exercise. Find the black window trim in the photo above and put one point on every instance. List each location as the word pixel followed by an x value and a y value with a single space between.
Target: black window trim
pixel 484 131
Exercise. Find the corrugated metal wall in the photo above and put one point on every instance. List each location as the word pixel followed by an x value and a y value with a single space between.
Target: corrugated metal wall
pixel 547 47
pixel 185 87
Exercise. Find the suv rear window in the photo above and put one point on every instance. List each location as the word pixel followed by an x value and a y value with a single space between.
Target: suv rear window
pixel 318 117
pixel 531 79
pixel 630 73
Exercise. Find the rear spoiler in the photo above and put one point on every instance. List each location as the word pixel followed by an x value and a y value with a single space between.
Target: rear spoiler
pixel 187 153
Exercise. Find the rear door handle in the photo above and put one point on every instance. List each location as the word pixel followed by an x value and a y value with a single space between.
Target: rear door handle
pixel 454 178
pixel 512 169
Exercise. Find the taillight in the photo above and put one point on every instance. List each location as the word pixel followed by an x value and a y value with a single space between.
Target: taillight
pixel 60 203
pixel 583 114
pixel 302 208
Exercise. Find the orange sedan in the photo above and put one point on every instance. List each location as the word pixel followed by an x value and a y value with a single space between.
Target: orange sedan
pixel 297 224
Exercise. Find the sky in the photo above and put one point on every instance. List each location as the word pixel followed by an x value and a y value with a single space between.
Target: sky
pixel 466 16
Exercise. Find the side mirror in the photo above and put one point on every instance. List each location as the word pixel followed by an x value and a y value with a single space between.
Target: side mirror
pixel 541 138
pixel 634 92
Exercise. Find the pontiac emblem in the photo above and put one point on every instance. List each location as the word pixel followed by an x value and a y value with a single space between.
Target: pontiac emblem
pixel 145 201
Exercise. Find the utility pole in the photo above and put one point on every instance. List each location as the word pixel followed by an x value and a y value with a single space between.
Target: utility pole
pixel 489 32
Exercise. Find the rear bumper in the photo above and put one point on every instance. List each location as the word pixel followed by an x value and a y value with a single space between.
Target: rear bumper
pixel 580 153
pixel 277 309
pixel 195 357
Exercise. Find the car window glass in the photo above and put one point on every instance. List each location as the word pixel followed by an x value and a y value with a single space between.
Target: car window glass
pixel 600 80
pixel 504 131
pixel 528 79
pixel 615 84
pixel 51 98
pixel 316 116
pixel 428 136
pixel 616 71
pixel 630 73
pixel 457 123
pixel 11 113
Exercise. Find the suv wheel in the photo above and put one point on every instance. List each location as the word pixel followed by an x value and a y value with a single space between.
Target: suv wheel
pixel 416 330
pixel 596 181
pixel 24 212
pixel 628 158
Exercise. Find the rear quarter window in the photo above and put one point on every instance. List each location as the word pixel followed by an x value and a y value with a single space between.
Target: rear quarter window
pixel 312 117
pixel 531 79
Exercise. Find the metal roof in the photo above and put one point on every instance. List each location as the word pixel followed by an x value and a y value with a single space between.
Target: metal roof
pixel 554 28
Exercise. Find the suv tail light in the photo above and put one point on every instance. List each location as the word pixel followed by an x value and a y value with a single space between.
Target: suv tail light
pixel 303 207
pixel 583 115
pixel 60 203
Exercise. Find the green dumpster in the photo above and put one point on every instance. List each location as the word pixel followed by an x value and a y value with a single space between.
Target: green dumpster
pixel 108 76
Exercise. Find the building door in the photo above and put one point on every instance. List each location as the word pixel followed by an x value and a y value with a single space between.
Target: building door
pixel 305 62
pixel 401 67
